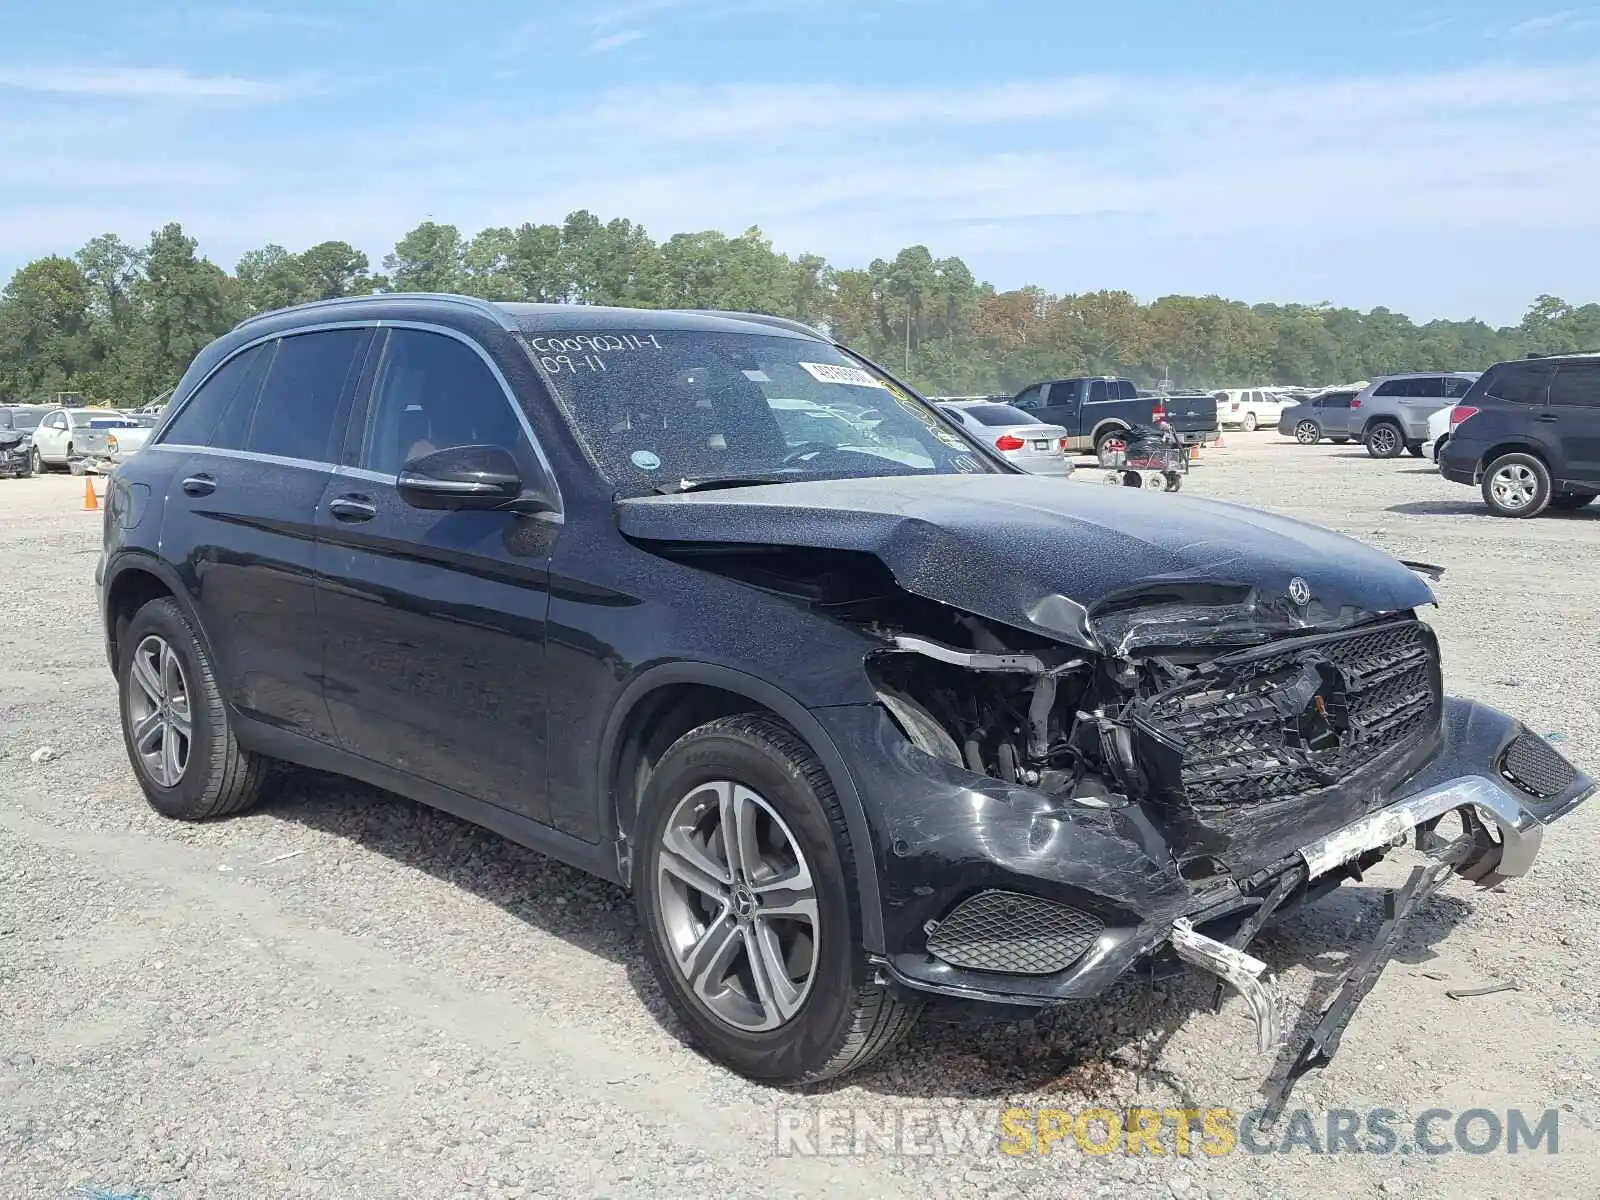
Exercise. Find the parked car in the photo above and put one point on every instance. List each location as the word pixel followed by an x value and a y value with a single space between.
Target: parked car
pixel 1391 414
pixel 1328 415
pixel 17 423
pixel 835 718
pixel 1249 408
pixel 1099 410
pixel 74 435
pixel 1438 433
pixel 1528 435
pixel 1037 449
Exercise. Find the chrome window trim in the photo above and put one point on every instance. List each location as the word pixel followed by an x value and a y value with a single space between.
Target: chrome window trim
pixel 506 391
pixel 276 460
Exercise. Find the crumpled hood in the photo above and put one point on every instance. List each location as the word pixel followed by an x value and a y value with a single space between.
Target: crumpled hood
pixel 1102 567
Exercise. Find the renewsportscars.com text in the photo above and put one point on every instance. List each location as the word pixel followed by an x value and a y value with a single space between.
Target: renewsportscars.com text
pixel 842 1131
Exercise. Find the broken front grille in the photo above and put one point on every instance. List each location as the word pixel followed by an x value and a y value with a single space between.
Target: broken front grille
pixel 1014 934
pixel 1292 718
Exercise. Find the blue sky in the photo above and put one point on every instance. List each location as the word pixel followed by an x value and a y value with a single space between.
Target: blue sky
pixel 1439 159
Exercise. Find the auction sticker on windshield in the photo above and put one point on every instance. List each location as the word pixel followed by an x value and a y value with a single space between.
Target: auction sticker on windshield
pixel 832 373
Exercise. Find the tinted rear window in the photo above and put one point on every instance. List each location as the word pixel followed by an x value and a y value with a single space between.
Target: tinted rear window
pixel 299 402
pixel 1429 387
pixel 1337 399
pixel 1517 382
pixel 1577 384
pixel 997 414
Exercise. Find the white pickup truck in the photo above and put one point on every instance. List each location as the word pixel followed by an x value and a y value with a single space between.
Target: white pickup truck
pixel 88 439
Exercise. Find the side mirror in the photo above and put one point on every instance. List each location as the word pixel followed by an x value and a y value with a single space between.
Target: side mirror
pixel 469 477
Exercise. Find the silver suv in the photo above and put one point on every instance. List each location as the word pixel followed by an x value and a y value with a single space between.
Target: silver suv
pixel 1392 413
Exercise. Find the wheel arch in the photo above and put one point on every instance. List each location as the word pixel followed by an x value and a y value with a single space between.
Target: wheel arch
pixel 1107 425
pixel 1383 419
pixel 680 696
pixel 132 582
pixel 1514 446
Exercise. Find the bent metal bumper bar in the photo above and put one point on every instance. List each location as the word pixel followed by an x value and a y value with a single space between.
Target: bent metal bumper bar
pixel 1475 855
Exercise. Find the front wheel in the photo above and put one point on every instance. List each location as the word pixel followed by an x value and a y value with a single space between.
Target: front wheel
pixel 36 463
pixel 1414 449
pixel 175 724
pixel 1516 485
pixel 1308 433
pixel 746 895
pixel 1573 501
pixel 1385 441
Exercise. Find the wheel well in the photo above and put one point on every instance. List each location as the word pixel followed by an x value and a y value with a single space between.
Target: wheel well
pixel 1107 426
pixel 130 591
pixel 1495 452
pixel 653 724
pixel 1381 419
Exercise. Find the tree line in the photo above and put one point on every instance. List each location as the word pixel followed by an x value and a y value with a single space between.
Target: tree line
pixel 118 324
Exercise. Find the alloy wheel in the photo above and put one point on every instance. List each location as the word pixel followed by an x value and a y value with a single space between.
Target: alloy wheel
pixel 1384 441
pixel 1249 422
pixel 160 719
pixel 1307 433
pixel 738 906
pixel 1514 486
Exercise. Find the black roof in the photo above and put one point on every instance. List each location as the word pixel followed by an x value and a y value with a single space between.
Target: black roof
pixel 541 318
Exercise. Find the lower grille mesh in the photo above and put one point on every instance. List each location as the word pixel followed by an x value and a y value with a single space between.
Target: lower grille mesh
pixel 1014 934
pixel 1537 768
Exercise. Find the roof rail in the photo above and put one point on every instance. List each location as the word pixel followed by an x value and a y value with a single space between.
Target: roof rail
pixel 759 318
pixel 487 308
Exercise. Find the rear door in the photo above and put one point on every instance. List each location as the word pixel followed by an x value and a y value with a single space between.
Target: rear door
pixel 1572 412
pixel 1334 414
pixel 257 441
pixel 435 620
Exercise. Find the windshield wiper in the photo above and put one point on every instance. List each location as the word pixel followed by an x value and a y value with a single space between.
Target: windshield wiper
pixel 712 482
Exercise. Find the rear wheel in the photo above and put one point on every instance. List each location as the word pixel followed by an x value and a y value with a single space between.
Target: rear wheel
pixel 1572 501
pixel 1516 485
pixel 1308 433
pixel 1414 449
pixel 1249 422
pixel 175 724
pixel 746 892
pixel 1384 440
pixel 1110 441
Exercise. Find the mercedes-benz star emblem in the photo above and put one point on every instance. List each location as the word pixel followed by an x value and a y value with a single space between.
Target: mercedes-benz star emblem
pixel 1299 591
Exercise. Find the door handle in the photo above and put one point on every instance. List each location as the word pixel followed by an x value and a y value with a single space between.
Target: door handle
pixel 352 508
pixel 199 485
pixel 1549 417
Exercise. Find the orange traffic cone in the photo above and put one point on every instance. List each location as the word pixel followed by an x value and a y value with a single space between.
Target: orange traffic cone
pixel 91 502
pixel 1194 450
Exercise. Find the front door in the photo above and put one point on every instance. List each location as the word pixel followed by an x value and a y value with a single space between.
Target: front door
pixel 52 436
pixel 1572 413
pixel 435 621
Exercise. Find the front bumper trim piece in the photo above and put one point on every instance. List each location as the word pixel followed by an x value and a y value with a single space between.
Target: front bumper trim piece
pixel 1247 975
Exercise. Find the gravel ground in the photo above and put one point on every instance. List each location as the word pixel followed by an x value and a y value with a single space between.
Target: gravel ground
pixel 345 995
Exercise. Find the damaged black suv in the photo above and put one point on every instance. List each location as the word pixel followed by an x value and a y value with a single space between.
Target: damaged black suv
pixel 709 606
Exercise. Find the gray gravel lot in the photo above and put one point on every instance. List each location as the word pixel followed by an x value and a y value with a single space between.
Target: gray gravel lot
pixel 343 994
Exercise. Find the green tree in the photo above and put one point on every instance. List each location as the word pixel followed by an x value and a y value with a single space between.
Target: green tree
pixel 44 323
pixel 431 258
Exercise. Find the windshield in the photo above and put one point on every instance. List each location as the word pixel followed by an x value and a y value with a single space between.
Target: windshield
pixel 20 420
pixel 658 409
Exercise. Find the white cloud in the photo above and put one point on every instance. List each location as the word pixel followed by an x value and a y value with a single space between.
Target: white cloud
pixel 136 83
pixel 613 41
pixel 1569 20
pixel 1048 175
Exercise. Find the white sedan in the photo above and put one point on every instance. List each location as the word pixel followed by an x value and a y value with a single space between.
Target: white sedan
pixel 1036 448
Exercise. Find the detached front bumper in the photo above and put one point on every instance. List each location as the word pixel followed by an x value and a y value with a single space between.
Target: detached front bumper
pixel 1077 896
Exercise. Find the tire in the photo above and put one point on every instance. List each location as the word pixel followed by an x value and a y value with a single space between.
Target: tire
pixel 1414 449
pixel 838 1018
pixel 1516 485
pixel 1308 433
pixel 208 775
pixel 1385 440
pixel 1106 435
pixel 1174 481
pixel 1249 422
pixel 37 462
pixel 1573 501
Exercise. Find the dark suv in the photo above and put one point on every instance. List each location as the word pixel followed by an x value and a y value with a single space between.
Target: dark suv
pixel 861 719
pixel 1528 434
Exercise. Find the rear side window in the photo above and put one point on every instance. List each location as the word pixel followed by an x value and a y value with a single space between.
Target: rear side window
pixel 1456 386
pixel 1517 382
pixel 1338 400
pixel 1430 387
pixel 1097 391
pixel 229 390
pixel 1066 392
pixel 1576 385
pixel 1125 389
pixel 299 402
